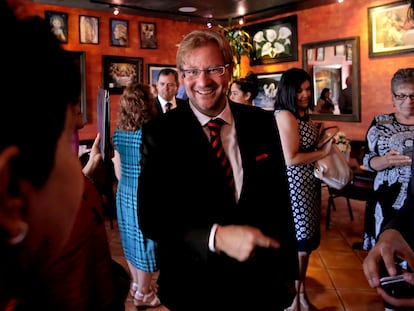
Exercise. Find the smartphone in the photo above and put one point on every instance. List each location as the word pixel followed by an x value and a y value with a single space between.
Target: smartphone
pixel 395 286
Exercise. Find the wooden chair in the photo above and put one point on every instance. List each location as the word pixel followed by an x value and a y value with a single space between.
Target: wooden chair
pixel 359 188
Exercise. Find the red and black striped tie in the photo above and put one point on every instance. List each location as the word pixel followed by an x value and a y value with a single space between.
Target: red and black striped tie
pixel 215 140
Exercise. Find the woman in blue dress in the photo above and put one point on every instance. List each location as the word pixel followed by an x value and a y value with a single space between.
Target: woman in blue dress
pixel 299 136
pixel 136 107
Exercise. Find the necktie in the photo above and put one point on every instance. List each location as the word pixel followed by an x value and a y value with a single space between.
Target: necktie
pixel 168 106
pixel 215 140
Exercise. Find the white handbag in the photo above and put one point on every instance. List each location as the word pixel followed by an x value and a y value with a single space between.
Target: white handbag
pixel 333 169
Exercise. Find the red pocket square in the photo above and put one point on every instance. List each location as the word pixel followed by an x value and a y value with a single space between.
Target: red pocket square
pixel 261 156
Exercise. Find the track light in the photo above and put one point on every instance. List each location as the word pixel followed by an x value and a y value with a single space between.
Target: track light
pixel 241 21
pixel 116 11
pixel 209 24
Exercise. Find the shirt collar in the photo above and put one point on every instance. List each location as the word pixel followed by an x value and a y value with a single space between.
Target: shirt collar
pixel 225 114
pixel 163 102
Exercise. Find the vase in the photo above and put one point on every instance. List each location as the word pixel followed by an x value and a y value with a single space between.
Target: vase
pixel 236 71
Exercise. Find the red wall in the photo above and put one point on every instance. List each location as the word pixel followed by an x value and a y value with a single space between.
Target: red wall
pixel 333 21
pixel 342 20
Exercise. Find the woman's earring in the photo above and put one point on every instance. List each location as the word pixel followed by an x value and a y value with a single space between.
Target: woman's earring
pixel 17 239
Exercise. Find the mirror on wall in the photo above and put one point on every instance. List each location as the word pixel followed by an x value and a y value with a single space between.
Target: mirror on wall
pixel 334 65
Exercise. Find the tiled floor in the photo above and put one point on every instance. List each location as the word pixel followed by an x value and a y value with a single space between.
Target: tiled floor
pixel 335 278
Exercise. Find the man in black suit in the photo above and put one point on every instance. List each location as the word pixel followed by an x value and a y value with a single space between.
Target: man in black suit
pixel 167 87
pixel 219 249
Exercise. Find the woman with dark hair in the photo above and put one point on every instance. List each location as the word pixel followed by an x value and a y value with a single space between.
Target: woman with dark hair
pixel 54 249
pixel 325 104
pixel 299 137
pixel 244 90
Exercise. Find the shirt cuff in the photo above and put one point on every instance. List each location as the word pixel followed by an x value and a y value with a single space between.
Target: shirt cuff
pixel 211 239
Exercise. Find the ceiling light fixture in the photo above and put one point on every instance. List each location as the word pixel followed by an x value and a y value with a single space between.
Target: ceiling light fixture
pixel 209 24
pixel 116 11
pixel 187 9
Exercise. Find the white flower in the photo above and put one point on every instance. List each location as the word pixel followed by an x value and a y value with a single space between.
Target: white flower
pixel 259 37
pixel 279 48
pixel 284 33
pixel 272 41
pixel 267 49
pixel 271 35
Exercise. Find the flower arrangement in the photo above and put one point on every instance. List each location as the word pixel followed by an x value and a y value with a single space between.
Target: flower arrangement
pixel 272 41
pixel 342 142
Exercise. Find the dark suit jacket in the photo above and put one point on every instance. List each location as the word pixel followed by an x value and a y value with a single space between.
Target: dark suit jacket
pixel 180 200
pixel 178 101
pixel 404 219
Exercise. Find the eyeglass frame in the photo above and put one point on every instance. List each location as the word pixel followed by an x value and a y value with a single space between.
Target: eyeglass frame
pixel 206 71
pixel 403 97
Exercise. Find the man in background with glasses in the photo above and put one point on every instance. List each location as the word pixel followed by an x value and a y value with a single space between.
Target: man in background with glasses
pixel 222 245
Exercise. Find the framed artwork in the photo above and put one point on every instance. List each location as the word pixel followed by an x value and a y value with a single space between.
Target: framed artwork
pixel 154 69
pixel 339 50
pixel 268 83
pixel 320 54
pixel 148 35
pixel 118 29
pixel 119 71
pixel 80 59
pixel 349 52
pixel 58 22
pixel 88 29
pixel 274 41
pixel 311 54
pixel 327 76
pixel 390 32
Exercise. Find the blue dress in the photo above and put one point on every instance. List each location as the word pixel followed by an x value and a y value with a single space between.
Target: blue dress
pixel 139 251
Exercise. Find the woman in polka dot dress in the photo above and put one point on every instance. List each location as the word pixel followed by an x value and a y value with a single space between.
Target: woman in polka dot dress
pixel 299 137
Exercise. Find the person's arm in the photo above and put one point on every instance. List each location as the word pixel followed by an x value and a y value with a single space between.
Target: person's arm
pixel 376 162
pixel 116 160
pixel 289 135
pixel 95 158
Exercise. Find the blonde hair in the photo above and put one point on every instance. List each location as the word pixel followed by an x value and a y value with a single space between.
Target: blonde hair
pixel 199 38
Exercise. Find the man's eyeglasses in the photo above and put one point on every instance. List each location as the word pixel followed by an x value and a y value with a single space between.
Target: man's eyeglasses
pixel 211 71
pixel 403 96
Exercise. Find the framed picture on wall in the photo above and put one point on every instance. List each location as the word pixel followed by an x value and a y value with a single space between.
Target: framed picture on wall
pixel 339 50
pixel 58 22
pixel 390 32
pixel 119 71
pixel 80 59
pixel 349 52
pixel 88 29
pixel 274 42
pixel 118 29
pixel 148 35
pixel 320 54
pixel 153 71
pixel 268 83
pixel 327 76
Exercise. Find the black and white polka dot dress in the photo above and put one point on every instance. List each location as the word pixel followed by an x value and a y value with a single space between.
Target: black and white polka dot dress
pixel 305 192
